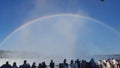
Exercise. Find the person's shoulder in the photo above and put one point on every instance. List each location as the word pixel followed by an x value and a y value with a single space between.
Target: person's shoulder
pixel 28 64
pixel 2 65
pixel 23 65
pixel 9 65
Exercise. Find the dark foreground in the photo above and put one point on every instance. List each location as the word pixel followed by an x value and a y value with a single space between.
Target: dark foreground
pixel 109 63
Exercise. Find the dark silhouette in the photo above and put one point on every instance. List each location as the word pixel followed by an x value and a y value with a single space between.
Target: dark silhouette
pixel 14 65
pixel 92 63
pixel 33 65
pixel 72 65
pixel 61 65
pixel 109 63
pixel 43 65
pixel 71 62
pixel 84 64
pixel 52 64
pixel 20 66
pixel 7 65
pixel 40 65
pixel 78 62
pixel 65 65
pixel 25 64
pixel 76 65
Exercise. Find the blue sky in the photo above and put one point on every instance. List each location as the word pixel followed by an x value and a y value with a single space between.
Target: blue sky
pixel 14 13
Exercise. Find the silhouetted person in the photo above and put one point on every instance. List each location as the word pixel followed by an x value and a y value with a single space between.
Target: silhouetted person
pixel 84 64
pixel 52 64
pixel 7 65
pixel 14 65
pixel 92 63
pixel 118 64
pixel 72 64
pixel 61 65
pixel 20 66
pixel 78 62
pixel 43 65
pixel 25 64
pixel 33 65
pixel 65 65
pixel 40 65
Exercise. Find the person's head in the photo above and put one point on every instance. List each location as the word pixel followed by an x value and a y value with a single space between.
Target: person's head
pixel 77 59
pixel 51 61
pixel 40 64
pixel 65 60
pixel 14 64
pixel 92 59
pixel 43 63
pixel 20 66
pixel 7 62
pixel 25 61
pixel 71 62
pixel 33 63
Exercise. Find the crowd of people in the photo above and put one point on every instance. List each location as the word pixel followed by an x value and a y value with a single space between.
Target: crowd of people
pixel 109 63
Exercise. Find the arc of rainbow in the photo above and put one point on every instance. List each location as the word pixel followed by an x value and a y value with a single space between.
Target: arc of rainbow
pixel 45 17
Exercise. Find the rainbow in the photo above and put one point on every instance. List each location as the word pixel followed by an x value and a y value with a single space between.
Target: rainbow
pixel 46 17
